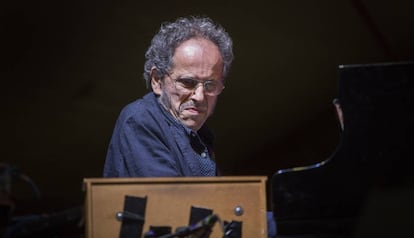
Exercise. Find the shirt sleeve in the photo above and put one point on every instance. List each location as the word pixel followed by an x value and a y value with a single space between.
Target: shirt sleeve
pixel 139 148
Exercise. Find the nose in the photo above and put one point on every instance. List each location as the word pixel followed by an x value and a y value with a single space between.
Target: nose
pixel 198 93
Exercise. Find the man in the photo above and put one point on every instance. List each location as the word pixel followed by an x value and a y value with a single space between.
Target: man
pixel 164 133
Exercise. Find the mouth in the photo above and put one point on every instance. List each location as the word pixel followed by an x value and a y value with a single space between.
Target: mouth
pixel 194 110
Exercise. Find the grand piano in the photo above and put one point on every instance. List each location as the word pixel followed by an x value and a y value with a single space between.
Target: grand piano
pixel 373 158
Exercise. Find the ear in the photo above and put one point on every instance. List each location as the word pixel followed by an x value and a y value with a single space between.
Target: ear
pixel 155 81
pixel 339 112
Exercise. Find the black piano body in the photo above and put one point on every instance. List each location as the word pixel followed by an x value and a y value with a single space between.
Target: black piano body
pixel 373 155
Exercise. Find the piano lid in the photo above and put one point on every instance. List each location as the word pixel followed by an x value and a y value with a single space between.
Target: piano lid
pixel 374 152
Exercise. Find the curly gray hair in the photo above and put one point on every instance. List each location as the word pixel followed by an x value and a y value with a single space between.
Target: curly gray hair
pixel 172 34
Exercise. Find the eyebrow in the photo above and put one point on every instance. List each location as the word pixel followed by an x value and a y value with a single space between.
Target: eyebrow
pixel 196 78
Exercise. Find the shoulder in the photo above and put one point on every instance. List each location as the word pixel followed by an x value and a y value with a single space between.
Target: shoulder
pixel 140 108
pixel 143 112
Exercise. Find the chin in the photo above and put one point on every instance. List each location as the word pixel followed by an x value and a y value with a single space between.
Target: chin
pixel 193 127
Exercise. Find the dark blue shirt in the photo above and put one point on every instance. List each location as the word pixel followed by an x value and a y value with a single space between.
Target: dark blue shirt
pixel 149 142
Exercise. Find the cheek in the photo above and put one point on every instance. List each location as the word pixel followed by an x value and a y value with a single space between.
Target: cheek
pixel 178 100
pixel 171 98
pixel 211 104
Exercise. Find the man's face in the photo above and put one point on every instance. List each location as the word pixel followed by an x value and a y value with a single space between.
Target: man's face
pixel 197 59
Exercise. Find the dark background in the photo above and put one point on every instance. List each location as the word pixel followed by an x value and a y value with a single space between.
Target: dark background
pixel 70 66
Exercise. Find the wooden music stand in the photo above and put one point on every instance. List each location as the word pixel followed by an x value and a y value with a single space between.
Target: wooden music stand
pixel 169 201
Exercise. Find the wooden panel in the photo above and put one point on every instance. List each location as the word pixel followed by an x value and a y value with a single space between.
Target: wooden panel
pixel 169 201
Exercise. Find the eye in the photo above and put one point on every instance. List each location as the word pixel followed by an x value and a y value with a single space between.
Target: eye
pixel 210 85
pixel 187 82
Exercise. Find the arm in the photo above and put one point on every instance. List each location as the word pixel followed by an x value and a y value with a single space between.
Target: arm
pixel 139 148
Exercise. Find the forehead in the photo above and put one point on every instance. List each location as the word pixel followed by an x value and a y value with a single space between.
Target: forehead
pixel 198 55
